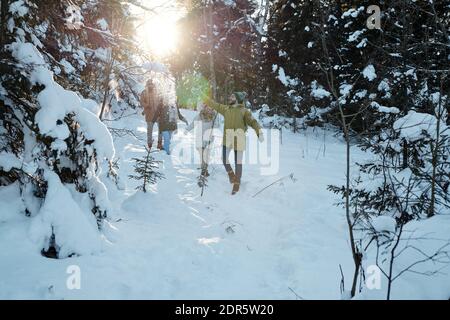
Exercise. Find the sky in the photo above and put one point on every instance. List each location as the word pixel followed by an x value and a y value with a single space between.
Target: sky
pixel 158 31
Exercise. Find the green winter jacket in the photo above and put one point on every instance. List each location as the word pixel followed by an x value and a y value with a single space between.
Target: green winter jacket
pixel 237 119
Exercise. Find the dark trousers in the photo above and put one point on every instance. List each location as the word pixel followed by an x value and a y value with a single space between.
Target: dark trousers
pixel 238 155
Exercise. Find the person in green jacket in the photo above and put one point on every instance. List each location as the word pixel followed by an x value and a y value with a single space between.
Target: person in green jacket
pixel 237 119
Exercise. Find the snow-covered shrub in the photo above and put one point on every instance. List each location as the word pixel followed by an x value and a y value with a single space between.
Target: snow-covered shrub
pixel 411 162
pixel 51 141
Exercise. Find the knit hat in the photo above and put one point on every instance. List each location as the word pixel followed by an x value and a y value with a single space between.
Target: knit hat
pixel 240 96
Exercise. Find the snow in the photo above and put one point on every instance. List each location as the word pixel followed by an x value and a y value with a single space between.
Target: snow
pixel 384 86
pixel 427 280
pixel 414 123
pixel 344 89
pixel 369 72
pixel 36 41
pixel 355 35
pixel 318 91
pixel 18 8
pixel 282 76
pixel 172 243
pixel 97 131
pixel 26 53
pixel 75 229
pixel 12 207
pixel 103 24
pixel 384 224
pixel 91 105
pixel 384 109
pixel 361 94
pixel 74 18
pixel 67 66
pixel 362 43
pixel 3 90
pixel 230 3
pixel 285 80
pixel 411 73
pixel 102 54
pixel 352 12
pixel 59 145
pixel 56 103
pixel 9 161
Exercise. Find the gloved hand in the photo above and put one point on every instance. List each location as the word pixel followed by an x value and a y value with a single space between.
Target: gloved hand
pixel 261 137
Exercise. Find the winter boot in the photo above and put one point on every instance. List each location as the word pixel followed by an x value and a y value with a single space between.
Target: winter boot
pixel 236 186
pixel 231 176
pixel 160 145
pixel 205 172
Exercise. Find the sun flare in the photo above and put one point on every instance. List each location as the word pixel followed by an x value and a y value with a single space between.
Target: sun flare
pixel 159 35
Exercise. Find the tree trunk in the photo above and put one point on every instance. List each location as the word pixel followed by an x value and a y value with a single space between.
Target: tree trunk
pixel 106 84
pixel 212 69
pixel 4 11
pixel 356 254
pixel 435 154
pixel 405 154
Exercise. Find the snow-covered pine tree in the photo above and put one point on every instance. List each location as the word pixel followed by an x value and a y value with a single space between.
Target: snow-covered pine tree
pixel 146 171
pixel 53 145
pixel 405 124
pixel 410 136
pixel 286 58
pixel 221 34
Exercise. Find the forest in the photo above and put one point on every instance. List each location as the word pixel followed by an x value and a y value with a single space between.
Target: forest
pixel 224 149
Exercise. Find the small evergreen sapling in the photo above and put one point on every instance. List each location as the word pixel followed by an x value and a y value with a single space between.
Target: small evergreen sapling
pixel 203 178
pixel 145 171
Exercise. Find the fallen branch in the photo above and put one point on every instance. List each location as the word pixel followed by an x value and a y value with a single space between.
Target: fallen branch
pixel 295 293
pixel 291 176
pixel 120 133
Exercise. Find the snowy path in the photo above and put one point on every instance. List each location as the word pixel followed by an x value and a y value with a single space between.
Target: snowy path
pixel 278 240
pixel 173 244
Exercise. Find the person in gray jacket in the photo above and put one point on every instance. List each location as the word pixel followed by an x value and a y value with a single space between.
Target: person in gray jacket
pixel 203 123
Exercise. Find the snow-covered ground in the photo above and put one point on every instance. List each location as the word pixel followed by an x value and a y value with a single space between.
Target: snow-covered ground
pixel 171 243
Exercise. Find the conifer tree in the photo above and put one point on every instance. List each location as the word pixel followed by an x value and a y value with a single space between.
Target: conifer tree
pixel 145 171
